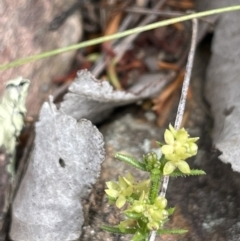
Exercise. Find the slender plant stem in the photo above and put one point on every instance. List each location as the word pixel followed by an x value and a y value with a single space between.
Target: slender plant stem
pixel 117 35
pixel 152 236
pixel 182 104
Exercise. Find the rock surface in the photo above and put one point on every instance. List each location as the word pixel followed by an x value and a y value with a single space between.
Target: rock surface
pixel 222 88
pixel 25 31
pixel 95 99
pixel 65 162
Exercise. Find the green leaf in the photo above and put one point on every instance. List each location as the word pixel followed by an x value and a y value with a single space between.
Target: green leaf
pixel 111 199
pixel 139 237
pixel 159 143
pixel 170 211
pixel 193 172
pixel 131 161
pixel 133 215
pixel 116 229
pixel 171 231
pixel 163 161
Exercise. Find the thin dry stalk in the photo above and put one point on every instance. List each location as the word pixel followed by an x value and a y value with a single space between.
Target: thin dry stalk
pixel 182 104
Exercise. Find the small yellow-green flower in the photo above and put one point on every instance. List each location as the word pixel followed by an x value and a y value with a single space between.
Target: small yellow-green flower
pixel 156 213
pixel 124 188
pixel 178 148
pixel 120 190
pixel 139 188
pixel 139 205
pixel 152 214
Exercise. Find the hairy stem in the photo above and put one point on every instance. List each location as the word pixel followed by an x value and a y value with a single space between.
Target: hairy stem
pixel 154 187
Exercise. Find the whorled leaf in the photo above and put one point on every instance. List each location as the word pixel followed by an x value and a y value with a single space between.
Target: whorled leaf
pixel 171 231
pixel 193 172
pixel 131 161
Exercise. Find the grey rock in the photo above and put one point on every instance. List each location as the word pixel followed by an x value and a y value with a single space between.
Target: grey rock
pixel 65 163
pixel 94 99
pixel 223 85
pixel 25 31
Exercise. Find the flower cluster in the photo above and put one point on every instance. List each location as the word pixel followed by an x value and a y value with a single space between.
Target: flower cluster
pixel 152 215
pixel 179 147
pixel 125 187
pixel 151 160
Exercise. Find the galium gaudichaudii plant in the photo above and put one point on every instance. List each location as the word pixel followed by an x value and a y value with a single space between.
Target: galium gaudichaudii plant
pixel 145 211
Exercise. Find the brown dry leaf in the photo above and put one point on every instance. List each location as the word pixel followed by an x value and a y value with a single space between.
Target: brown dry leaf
pixel 112 28
pixel 165 111
pixel 165 65
pixel 167 108
pixel 163 97
pixel 184 4
pixel 179 26
pixel 113 24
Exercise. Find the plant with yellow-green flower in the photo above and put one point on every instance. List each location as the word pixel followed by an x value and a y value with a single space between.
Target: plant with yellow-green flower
pixel 123 189
pixel 178 148
pixel 145 211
